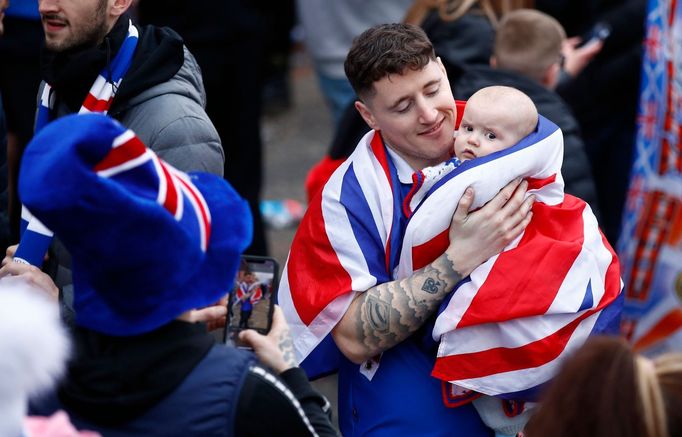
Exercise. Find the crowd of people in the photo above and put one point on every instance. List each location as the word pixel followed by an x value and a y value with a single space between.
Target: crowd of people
pixel 450 267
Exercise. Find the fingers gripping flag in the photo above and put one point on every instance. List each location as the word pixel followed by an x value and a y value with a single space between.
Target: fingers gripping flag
pixel 506 328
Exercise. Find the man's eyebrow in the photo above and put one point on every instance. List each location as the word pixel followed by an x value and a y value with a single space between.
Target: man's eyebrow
pixel 398 102
pixel 432 82
pixel 401 99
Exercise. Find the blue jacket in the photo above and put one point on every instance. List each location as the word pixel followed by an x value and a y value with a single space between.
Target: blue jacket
pixel 204 404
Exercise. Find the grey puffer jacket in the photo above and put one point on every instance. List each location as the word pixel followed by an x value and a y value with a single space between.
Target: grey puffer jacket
pixel 170 119
pixel 162 100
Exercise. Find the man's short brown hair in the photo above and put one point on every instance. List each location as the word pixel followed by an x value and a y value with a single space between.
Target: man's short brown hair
pixel 528 42
pixel 386 49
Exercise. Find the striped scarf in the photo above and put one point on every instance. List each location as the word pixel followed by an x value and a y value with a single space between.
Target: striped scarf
pixel 36 237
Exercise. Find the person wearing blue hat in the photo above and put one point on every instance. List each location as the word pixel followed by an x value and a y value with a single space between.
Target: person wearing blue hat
pixel 151 244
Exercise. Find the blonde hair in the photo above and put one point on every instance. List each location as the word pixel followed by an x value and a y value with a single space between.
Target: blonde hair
pixel 528 42
pixel 651 398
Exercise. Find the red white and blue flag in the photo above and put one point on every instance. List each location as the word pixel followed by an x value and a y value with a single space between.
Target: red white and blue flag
pixel 507 328
pixel 524 309
pixel 650 244
pixel 346 243
pixel 244 289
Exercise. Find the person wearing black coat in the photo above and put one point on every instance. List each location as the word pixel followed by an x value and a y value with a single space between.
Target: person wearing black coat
pixel 605 95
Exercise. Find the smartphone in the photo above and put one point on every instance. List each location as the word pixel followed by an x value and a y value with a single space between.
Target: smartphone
pixel 251 303
pixel 599 32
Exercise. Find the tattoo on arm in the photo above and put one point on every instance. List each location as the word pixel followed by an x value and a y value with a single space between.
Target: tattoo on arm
pixel 431 286
pixel 389 313
pixel 378 313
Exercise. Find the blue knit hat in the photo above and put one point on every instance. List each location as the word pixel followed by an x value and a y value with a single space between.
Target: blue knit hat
pixel 147 241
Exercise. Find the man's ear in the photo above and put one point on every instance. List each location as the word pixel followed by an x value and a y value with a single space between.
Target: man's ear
pixel 550 78
pixel 493 61
pixel 442 67
pixel 119 7
pixel 366 114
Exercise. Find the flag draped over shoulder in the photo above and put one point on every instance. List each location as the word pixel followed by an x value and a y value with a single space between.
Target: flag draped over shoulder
pixel 348 241
pixel 341 246
pixel 506 328
pixel 650 245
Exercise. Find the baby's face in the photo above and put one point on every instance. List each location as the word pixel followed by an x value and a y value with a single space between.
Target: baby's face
pixel 485 129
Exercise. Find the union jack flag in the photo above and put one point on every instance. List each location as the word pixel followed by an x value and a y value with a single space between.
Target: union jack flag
pixel 244 289
pixel 650 244
pixel 525 309
pixel 505 330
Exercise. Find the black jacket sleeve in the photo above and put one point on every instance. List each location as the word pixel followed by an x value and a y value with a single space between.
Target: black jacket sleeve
pixel 285 405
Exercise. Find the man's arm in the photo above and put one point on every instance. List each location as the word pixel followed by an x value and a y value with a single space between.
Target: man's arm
pixel 388 313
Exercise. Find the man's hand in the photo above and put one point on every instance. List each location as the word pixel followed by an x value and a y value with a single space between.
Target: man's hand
pixel 9 254
pixel 275 350
pixel 477 236
pixel 213 316
pixel 11 251
pixel 33 276
pixel 577 58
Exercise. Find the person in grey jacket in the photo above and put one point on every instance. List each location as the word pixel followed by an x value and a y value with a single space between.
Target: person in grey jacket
pixel 160 95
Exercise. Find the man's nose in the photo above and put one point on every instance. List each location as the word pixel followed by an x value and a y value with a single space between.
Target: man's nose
pixel 428 114
pixel 47 6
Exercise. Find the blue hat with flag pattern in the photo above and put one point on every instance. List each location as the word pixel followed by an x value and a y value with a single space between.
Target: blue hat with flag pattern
pixel 148 242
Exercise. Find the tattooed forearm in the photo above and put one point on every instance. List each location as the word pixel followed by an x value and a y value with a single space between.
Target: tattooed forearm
pixel 391 312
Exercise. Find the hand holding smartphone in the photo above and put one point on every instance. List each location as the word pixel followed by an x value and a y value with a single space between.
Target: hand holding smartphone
pixel 599 32
pixel 251 301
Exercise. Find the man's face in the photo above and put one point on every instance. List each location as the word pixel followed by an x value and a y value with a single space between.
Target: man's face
pixel 485 129
pixel 415 112
pixel 73 23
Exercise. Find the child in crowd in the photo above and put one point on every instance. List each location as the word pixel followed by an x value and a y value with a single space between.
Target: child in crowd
pixel 502 308
pixel 495 118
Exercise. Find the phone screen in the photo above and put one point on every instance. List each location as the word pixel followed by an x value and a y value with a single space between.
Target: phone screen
pixel 251 301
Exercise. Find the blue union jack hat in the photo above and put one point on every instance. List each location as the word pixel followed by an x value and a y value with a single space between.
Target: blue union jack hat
pixel 148 242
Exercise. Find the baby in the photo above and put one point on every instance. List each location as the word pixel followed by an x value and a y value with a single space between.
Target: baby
pixel 495 118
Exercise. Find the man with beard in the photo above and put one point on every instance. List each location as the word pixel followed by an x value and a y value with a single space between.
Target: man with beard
pixel 157 92
pixel 95 59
